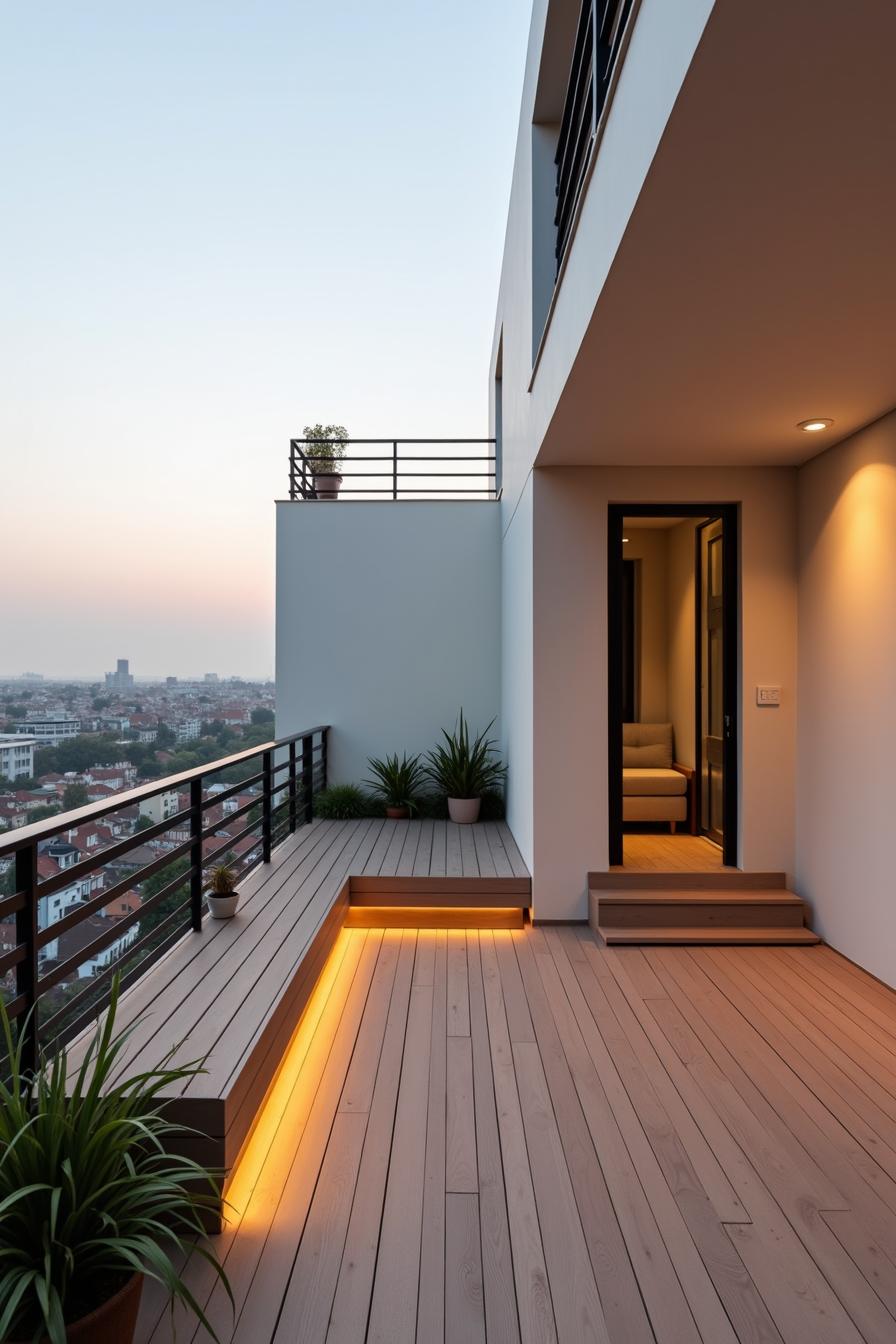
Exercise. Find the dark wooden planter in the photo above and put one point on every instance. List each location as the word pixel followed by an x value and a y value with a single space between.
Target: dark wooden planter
pixel 398 813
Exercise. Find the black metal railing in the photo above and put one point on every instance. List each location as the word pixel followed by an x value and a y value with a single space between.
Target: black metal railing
pixel 279 802
pixel 385 469
pixel 595 55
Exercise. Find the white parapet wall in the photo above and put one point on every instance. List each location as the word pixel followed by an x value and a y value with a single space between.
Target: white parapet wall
pixel 388 622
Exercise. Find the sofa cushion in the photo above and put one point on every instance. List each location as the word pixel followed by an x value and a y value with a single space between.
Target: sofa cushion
pixel 652 783
pixel 647 745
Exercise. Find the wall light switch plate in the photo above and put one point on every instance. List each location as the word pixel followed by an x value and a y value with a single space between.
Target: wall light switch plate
pixel 768 695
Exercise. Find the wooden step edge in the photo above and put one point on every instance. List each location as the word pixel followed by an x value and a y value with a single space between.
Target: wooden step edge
pixel 719 936
pixel 709 897
pixel 734 879
pixel 438 917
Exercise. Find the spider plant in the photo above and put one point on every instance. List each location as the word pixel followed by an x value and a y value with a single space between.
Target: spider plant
pixel 396 783
pixel 89 1196
pixel 465 766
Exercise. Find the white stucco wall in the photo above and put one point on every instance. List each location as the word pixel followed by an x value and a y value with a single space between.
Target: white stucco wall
pixel 388 621
pixel 847 690
pixel 663 42
pixel 516 671
pixel 570 664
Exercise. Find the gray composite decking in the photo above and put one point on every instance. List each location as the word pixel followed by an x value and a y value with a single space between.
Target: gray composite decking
pixel 232 994
pixel 483 1136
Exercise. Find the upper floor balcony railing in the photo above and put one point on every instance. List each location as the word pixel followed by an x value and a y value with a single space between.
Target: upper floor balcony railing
pixel 395 469
pixel 598 45
pixel 61 947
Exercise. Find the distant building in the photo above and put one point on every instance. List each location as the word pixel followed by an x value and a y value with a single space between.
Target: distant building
pixel 121 679
pixel 171 681
pixel 48 730
pixel 159 808
pixel 16 755
pixel 211 678
pixel 188 730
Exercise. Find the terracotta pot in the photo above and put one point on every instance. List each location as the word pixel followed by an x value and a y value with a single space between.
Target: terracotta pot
pixel 326 484
pixel 464 810
pixel 222 907
pixel 112 1323
pixel 398 813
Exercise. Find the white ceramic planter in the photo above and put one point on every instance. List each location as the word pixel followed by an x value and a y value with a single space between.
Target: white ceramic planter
pixel 326 484
pixel 222 907
pixel 464 810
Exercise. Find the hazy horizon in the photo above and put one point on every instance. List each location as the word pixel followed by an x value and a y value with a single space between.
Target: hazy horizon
pixel 228 222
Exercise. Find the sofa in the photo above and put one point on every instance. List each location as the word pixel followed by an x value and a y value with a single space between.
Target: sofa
pixel 654 786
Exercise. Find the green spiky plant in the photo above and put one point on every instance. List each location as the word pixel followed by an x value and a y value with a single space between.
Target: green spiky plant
pixel 396 783
pixel 221 881
pixel 89 1196
pixel 465 767
pixel 341 802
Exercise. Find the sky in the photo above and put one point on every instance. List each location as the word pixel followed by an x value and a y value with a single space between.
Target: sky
pixel 223 221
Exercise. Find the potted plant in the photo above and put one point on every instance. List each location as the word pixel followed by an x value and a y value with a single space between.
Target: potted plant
pixel 464 769
pixel 396 784
pixel 325 447
pixel 91 1200
pixel 221 893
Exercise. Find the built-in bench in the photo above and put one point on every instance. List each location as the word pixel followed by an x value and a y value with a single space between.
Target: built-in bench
pixel 233 995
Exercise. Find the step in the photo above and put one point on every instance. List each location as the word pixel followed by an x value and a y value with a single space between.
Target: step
pixel 686 909
pixel 716 880
pixel 614 937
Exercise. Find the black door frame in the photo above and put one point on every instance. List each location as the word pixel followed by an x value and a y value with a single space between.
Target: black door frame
pixel 729 514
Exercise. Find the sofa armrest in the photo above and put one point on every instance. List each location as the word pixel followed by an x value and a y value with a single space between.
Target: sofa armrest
pixel 691 777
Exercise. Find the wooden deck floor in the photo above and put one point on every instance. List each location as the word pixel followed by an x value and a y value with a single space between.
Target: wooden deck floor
pixel 494 1136
pixel 644 851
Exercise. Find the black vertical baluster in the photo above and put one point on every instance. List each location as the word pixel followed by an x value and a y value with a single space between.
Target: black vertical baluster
pixel 196 853
pixel 292 787
pixel 394 469
pixel 307 776
pixel 26 934
pixel 266 807
pixel 323 756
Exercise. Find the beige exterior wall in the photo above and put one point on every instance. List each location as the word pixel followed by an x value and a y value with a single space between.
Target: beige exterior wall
pixel 570 664
pixel 847 688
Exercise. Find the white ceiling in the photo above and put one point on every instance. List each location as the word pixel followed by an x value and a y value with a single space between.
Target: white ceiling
pixel 756 283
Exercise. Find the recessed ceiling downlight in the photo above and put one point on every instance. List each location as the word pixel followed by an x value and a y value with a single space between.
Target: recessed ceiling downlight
pixel 814 426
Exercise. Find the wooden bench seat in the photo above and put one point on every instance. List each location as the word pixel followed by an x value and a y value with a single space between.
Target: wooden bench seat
pixel 233 995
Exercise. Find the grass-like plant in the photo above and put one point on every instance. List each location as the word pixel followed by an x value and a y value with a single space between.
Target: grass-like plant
pixel 465 766
pixel 396 783
pixel 221 880
pixel 341 802
pixel 89 1196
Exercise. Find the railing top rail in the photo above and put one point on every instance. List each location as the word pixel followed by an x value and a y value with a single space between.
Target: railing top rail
pixel 12 841
pixel 404 440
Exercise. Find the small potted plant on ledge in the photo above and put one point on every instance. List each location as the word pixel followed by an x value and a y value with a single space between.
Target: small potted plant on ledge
pixel 91 1200
pixel 396 784
pixel 325 447
pixel 221 893
pixel 464 769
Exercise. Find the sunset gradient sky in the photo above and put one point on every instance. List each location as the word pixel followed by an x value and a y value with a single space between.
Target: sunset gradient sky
pixel 222 221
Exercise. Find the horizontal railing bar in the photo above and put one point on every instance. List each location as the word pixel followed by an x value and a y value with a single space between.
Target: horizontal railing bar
pixel 326 442
pixel 16 1006
pixel 11 905
pixel 103 898
pixel 53 826
pixel 90 1014
pixel 232 791
pixel 214 827
pixel 67 877
pixel 106 938
pixel 13 958
pixel 411 490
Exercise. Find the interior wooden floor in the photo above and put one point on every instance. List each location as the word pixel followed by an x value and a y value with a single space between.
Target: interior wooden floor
pixel 523 1136
pixel 646 851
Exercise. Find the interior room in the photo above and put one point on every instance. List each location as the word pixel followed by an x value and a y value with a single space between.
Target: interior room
pixel 671 693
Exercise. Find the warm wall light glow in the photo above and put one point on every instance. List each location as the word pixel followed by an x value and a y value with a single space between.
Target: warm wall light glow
pixel 624 540
pixel 814 426
pixel 434 917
